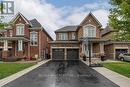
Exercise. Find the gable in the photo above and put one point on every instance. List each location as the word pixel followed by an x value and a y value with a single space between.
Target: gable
pixel 90 19
pixel 19 18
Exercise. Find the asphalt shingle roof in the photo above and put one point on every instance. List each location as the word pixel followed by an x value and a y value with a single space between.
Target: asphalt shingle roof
pixel 35 23
pixel 67 29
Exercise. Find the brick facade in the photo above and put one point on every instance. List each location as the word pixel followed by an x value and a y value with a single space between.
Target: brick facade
pixel 28 51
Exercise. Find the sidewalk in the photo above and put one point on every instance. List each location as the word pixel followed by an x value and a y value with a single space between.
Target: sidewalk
pixel 118 79
pixel 21 73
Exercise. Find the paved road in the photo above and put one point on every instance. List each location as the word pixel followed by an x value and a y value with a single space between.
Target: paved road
pixel 62 74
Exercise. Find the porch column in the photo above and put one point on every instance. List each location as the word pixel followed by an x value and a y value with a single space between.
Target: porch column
pixel 5 45
pixel 102 48
pixel 5 51
pixel 20 48
pixel 65 53
pixel 82 47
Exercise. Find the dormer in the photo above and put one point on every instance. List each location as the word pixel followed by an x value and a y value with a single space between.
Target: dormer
pixel 67 33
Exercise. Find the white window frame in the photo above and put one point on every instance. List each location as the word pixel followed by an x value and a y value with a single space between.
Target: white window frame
pixel 11 33
pixel 20 31
pixel 35 39
pixel 63 36
pixel 73 35
pixel 20 45
pixel 89 32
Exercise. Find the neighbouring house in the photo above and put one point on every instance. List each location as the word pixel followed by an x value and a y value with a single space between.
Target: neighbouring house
pixel 24 38
pixel 113 47
pixel 73 41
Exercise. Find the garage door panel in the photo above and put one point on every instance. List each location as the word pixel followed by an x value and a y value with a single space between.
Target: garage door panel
pixel 72 54
pixel 118 51
pixel 58 54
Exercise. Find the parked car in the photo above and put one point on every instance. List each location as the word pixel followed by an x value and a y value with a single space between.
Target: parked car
pixel 124 56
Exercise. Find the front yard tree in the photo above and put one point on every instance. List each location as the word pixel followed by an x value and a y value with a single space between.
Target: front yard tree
pixel 2 23
pixel 119 18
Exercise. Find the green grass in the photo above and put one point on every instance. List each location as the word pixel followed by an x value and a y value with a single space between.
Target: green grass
pixel 122 68
pixel 7 69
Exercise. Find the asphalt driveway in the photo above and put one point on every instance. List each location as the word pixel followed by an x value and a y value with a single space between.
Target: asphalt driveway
pixel 62 74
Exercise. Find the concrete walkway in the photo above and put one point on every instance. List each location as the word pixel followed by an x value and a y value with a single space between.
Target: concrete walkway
pixel 118 79
pixel 21 73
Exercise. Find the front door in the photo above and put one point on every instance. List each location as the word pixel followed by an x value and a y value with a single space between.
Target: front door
pixel 87 48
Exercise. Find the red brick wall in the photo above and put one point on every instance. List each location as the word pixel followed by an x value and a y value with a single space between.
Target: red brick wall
pixel 21 20
pixel 89 20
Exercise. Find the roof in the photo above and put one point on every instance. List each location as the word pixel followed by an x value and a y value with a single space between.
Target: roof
pixel 64 42
pixel 116 42
pixel 68 29
pixel 107 30
pixel 90 14
pixel 14 38
pixel 34 23
pixel 93 39
pixel 2 30
pixel 17 15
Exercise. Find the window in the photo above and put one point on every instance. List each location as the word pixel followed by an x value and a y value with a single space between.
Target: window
pixel 33 38
pixel 89 31
pixel 73 36
pixel 20 45
pixel 63 36
pixel 20 29
pixel 11 33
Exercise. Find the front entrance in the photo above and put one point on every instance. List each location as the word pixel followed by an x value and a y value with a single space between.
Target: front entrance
pixel 86 50
pixel 72 54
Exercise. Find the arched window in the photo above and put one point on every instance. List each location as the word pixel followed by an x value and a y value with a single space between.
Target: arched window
pixel 89 31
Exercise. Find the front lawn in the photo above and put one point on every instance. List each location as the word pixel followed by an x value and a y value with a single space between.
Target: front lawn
pixel 119 67
pixel 7 69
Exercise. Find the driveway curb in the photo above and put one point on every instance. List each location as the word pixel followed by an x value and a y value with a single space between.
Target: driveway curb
pixel 21 73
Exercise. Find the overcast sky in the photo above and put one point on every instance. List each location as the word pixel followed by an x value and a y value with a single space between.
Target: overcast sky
pixel 54 14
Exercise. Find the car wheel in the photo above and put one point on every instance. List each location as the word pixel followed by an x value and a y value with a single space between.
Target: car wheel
pixel 122 59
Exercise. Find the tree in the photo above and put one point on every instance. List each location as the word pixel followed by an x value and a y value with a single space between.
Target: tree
pixel 119 18
pixel 2 24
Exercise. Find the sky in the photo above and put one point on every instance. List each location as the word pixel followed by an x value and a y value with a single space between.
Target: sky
pixel 54 14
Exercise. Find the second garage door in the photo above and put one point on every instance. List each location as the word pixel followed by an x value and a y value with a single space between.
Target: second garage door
pixel 58 54
pixel 72 54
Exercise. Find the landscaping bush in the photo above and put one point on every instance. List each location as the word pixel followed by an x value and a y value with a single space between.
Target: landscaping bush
pixel 11 59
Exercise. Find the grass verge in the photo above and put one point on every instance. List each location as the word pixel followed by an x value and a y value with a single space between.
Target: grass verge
pixel 122 68
pixel 7 69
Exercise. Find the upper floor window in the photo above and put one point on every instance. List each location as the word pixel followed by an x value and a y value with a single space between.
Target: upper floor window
pixel 11 33
pixel 33 38
pixel 73 36
pixel 63 36
pixel 89 31
pixel 20 29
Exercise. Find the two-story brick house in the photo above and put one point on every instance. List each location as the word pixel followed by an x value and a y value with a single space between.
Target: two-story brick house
pixel 70 42
pixel 24 38
pixel 73 41
pixel 112 47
